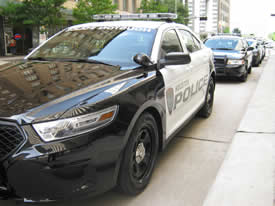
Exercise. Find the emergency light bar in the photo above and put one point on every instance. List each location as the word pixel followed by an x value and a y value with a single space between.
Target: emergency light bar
pixel 165 16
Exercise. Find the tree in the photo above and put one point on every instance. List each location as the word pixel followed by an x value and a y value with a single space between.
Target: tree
pixel 14 12
pixel 158 6
pixel 236 31
pixel 37 14
pixel 151 6
pixel 85 9
pixel 226 30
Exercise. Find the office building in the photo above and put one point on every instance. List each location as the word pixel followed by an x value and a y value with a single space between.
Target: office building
pixel 217 12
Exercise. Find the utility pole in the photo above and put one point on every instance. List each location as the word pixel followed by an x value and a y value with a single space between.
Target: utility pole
pixel 176 6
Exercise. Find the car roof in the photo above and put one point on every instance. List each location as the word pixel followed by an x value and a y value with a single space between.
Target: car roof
pixel 131 23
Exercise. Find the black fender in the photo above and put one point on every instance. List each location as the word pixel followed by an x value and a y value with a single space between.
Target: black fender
pixel 147 106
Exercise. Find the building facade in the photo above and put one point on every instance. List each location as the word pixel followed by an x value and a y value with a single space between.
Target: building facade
pixel 216 11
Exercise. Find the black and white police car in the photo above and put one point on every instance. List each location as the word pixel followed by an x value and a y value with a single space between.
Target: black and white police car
pixel 93 106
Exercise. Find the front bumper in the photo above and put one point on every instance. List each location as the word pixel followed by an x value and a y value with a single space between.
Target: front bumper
pixel 228 70
pixel 81 166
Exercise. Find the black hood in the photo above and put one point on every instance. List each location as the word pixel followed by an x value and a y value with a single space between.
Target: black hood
pixel 231 54
pixel 40 91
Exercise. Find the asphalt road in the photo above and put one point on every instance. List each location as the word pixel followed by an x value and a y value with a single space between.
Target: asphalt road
pixel 186 170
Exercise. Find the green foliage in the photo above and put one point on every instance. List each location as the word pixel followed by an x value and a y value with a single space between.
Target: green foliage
pixel 151 6
pixel 85 9
pixel 34 12
pixel 14 12
pixel 273 36
pixel 226 30
pixel 158 6
pixel 183 14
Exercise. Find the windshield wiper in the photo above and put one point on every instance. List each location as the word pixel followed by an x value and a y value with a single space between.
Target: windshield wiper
pixel 88 61
pixel 222 49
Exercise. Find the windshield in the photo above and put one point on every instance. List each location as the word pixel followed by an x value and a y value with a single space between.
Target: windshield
pixel 251 42
pixel 222 44
pixel 110 45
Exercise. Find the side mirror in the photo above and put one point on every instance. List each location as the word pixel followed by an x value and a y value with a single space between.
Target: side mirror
pixel 142 59
pixel 176 58
pixel 250 48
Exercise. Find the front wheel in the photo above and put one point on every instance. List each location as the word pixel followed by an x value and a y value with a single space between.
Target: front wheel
pixel 140 156
pixel 206 110
pixel 250 69
pixel 243 78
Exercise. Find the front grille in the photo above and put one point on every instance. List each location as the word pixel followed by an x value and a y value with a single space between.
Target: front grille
pixel 10 139
pixel 219 61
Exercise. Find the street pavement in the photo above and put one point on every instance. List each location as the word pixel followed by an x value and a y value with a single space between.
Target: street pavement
pixel 187 169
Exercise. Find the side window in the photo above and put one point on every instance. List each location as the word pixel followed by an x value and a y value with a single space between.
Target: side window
pixel 197 43
pixel 239 46
pixel 190 42
pixel 245 44
pixel 170 43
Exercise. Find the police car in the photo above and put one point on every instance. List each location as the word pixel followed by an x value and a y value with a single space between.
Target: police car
pixel 91 108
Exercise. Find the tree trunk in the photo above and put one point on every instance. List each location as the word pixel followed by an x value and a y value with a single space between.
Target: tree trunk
pixel 2 37
pixel 35 36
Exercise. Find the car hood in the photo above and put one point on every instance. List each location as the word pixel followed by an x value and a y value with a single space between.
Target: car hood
pixel 231 54
pixel 42 91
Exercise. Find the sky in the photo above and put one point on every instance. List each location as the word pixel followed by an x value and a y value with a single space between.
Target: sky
pixel 253 16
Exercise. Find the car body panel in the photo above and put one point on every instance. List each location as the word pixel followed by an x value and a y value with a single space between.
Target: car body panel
pixel 89 163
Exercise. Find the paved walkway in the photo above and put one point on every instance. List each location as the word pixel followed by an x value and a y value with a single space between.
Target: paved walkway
pixel 246 177
pixel 11 58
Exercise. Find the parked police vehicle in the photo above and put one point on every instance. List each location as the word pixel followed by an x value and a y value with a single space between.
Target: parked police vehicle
pixel 232 55
pixel 92 107
pixel 257 51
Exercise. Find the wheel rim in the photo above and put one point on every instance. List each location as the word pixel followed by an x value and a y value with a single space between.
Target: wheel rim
pixel 141 155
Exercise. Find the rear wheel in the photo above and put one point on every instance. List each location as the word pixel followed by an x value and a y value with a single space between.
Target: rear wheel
pixel 206 110
pixel 140 156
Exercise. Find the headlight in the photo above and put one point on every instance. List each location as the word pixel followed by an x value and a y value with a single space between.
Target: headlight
pixel 59 129
pixel 235 61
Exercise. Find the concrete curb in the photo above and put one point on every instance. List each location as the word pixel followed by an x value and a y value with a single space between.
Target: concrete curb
pixel 246 175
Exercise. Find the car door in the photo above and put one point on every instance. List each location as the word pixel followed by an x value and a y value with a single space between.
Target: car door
pixel 178 81
pixel 248 53
pixel 199 66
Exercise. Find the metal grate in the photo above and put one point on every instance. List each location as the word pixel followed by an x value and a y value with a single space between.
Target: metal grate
pixel 220 61
pixel 10 139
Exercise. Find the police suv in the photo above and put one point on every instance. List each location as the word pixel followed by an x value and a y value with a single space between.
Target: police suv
pixel 91 108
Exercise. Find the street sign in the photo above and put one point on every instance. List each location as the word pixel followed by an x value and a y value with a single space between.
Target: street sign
pixel 17 36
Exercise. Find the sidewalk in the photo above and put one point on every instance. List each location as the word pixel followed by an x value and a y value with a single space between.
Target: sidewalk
pixel 246 177
pixel 11 58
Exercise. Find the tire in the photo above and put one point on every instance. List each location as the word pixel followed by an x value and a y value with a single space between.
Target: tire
pixel 139 156
pixel 243 78
pixel 250 69
pixel 206 110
